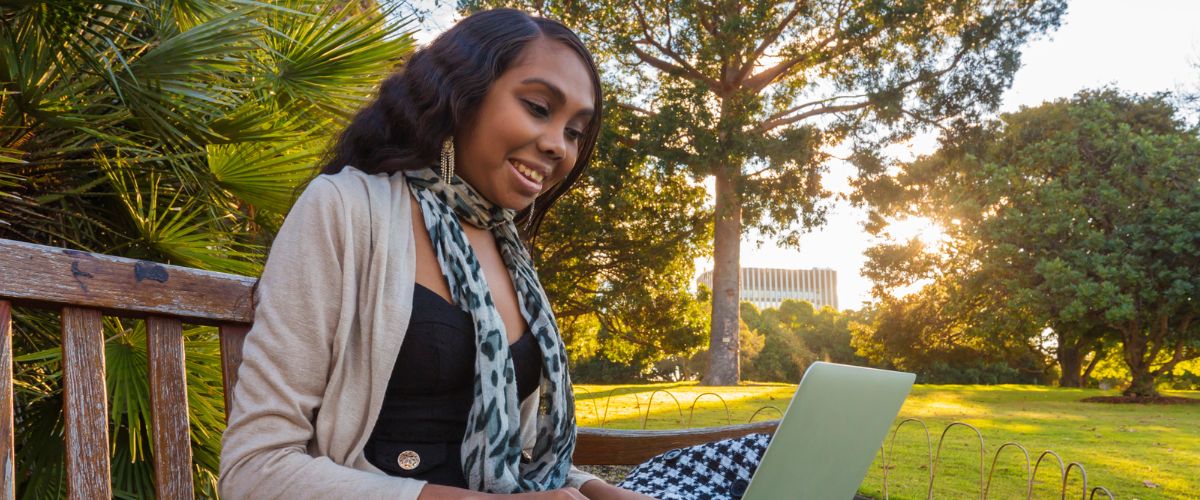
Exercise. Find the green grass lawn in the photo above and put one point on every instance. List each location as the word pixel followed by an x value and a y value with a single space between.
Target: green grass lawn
pixel 1135 451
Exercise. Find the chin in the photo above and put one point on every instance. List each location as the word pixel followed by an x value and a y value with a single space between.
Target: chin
pixel 513 202
pixel 518 205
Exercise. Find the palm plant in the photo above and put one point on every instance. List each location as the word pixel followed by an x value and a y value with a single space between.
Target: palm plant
pixel 175 131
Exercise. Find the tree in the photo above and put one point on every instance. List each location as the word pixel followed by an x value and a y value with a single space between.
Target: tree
pixel 617 256
pixel 168 131
pixel 956 316
pixel 784 341
pixel 754 94
pixel 1081 215
pixel 914 333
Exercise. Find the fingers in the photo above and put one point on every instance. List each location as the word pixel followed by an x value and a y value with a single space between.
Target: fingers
pixel 568 494
pixel 559 494
pixel 573 494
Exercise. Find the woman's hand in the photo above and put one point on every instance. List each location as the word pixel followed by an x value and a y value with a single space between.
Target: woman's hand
pixel 591 490
pixel 438 492
pixel 559 494
pixel 600 490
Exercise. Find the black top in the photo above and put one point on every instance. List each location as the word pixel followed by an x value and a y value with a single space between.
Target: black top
pixel 431 390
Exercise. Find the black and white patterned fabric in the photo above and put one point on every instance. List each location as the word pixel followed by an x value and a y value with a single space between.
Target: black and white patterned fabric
pixel 491 448
pixel 720 470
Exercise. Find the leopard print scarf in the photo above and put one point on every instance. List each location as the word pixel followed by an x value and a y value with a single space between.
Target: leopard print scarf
pixel 491 448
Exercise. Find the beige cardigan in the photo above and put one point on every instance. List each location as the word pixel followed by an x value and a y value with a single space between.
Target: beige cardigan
pixel 333 306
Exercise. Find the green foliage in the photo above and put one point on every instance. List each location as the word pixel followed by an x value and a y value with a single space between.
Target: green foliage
pixel 919 333
pixel 1111 371
pixel 786 340
pixel 1081 215
pixel 755 94
pixel 175 132
pixel 977 372
pixel 617 256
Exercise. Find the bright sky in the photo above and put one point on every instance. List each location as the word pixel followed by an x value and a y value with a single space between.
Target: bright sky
pixel 1142 46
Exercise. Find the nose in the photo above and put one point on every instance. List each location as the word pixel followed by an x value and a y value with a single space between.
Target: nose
pixel 553 145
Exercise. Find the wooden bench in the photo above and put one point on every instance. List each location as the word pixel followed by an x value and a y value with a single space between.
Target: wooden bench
pixel 86 286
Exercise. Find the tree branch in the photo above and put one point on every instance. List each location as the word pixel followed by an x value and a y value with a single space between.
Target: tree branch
pixel 706 21
pixel 1092 365
pixel 636 109
pixel 794 109
pixel 773 124
pixel 760 81
pixel 657 63
pixel 927 121
pixel 767 41
pixel 1180 349
pixel 684 68
pixel 757 172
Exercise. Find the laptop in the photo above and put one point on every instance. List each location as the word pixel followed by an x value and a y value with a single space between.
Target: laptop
pixel 830 433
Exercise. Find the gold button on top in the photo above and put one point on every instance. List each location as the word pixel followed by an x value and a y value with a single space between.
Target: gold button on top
pixel 408 460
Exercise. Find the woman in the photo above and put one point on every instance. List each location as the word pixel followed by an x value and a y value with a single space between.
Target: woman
pixel 402 345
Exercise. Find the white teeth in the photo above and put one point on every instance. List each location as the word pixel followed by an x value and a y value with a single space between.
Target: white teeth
pixel 530 173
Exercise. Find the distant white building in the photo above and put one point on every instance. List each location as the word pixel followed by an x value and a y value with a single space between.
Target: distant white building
pixel 767 287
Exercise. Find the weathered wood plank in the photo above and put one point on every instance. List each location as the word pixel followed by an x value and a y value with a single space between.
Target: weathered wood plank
pixel 85 404
pixel 42 275
pixel 594 446
pixel 169 409
pixel 232 338
pixel 7 465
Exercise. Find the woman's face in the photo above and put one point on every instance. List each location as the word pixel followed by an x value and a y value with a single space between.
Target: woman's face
pixel 527 132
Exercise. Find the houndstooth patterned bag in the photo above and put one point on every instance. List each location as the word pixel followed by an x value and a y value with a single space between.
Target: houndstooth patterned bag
pixel 719 470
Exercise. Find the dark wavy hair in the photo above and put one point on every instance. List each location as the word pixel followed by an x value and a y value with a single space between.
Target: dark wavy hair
pixel 440 89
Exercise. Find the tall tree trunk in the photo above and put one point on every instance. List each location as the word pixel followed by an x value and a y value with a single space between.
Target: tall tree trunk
pixel 1099 350
pixel 1070 362
pixel 1135 348
pixel 727 236
pixel 1142 384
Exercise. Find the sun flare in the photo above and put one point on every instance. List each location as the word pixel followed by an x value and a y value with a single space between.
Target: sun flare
pixel 928 232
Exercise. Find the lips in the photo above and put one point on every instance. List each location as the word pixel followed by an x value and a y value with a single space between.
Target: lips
pixel 529 177
pixel 533 174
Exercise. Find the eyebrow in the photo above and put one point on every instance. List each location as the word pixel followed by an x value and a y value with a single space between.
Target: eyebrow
pixel 558 93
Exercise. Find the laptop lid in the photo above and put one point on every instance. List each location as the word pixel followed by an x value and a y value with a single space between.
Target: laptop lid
pixel 830 433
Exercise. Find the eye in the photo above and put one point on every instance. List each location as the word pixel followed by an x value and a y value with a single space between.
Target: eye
pixel 574 134
pixel 537 109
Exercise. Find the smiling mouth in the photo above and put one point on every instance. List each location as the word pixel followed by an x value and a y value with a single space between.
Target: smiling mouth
pixel 529 173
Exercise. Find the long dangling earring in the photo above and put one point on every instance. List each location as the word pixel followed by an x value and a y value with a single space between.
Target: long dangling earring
pixel 447 160
pixel 529 218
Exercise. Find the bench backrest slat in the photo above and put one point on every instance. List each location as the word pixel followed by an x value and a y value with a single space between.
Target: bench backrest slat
pixel 8 468
pixel 85 405
pixel 232 338
pixel 169 409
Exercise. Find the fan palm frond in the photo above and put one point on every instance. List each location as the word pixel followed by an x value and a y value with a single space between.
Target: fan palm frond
pixel 174 227
pixel 265 176
pixel 332 59
pixel 171 86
